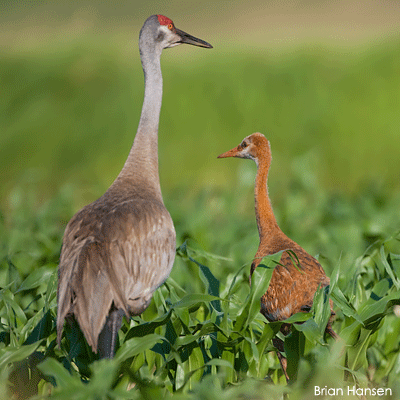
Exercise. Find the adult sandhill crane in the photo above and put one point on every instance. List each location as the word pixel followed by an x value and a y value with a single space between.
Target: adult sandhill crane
pixel 119 249
pixel 292 288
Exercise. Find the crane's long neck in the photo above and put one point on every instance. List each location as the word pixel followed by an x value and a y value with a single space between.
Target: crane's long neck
pixel 141 166
pixel 266 221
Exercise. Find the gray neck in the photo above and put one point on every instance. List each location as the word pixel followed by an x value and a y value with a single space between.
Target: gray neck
pixel 141 167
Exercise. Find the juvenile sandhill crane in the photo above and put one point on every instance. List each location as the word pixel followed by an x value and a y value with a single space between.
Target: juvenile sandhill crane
pixel 119 249
pixel 292 288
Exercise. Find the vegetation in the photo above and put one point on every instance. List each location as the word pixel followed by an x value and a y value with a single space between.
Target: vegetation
pixel 68 116
pixel 204 337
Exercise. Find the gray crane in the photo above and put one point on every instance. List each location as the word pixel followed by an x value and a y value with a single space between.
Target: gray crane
pixel 119 249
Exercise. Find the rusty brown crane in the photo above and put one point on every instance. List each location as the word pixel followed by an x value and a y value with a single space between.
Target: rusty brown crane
pixel 292 288
pixel 119 249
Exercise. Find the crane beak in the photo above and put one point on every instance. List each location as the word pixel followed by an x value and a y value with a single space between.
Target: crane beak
pixel 231 153
pixel 189 39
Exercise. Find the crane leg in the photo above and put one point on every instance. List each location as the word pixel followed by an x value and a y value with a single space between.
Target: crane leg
pixel 109 334
pixel 278 343
pixel 331 332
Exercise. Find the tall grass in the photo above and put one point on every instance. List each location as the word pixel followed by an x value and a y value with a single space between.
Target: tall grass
pixel 203 331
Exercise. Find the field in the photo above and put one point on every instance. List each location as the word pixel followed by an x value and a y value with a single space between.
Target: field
pixel 69 110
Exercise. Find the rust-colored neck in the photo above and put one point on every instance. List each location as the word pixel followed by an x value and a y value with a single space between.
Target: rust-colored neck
pixel 266 221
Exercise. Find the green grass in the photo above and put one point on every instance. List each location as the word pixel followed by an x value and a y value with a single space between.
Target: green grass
pixel 193 344
pixel 68 117
pixel 71 108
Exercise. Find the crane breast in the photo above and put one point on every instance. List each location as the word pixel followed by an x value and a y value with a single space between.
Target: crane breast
pixel 144 260
pixel 141 251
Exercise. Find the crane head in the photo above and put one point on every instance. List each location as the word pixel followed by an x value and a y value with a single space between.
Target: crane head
pixel 164 33
pixel 256 147
pixel 174 36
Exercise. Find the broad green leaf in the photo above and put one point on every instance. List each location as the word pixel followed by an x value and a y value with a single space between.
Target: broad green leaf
pixel 266 337
pixel 357 354
pixel 395 258
pixel 389 270
pixel 253 354
pixel 51 291
pixel 211 283
pixel 229 358
pixel 64 379
pixel 321 309
pixel 351 333
pixel 12 354
pixel 294 349
pixel 103 376
pixel 334 278
pixel 148 327
pixel 14 310
pixel 374 314
pixel 374 309
pixel 311 330
pixel 235 281
pixel 172 283
pixel 185 340
pixel 340 300
pixel 298 317
pixel 193 299
pixel 220 363
pixel 36 278
pixel 184 316
pixel 196 365
pixel 13 277
pixel 260 282
pixel 42 329
pixel 139 361
pixel 230 344
pixel 209 327
pixel 136 345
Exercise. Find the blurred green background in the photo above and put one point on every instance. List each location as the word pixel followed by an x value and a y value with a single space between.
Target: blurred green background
pixel 313 77
pixel 320 79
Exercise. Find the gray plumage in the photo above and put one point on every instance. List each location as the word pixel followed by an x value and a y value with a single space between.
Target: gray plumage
pixel 119 249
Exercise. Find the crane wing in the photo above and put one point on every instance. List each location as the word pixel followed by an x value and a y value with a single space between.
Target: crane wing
pixel 119 256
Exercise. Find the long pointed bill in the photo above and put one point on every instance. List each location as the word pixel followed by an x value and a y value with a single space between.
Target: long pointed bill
pixel 189 39
pixel 231 153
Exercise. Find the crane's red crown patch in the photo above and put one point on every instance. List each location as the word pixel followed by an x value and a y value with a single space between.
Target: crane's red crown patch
pixel 164 20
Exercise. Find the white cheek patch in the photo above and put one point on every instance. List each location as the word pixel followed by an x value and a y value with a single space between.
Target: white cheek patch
pixel 171 39
pixel 247 155
pixel 165 29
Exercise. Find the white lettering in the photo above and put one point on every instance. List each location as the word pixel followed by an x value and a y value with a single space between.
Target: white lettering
pixel 351 390
pixel 325 391
pixel 367 391
pixel 362 392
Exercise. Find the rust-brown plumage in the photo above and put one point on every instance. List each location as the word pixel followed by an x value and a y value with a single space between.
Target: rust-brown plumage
pixel 292 287
pixel 118 250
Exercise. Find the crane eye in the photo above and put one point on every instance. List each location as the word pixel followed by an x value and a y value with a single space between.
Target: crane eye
pixel 243 145
pixel 170 27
